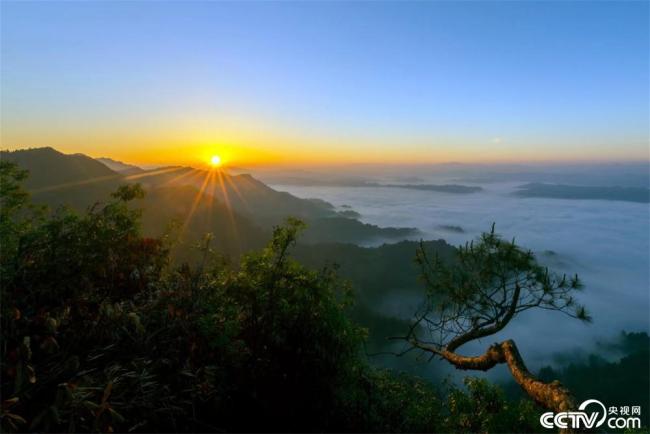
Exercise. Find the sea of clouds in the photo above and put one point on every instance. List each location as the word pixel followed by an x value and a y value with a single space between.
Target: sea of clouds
pixel 606 242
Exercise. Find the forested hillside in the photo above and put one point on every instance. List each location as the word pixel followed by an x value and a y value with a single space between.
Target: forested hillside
pixel 101 334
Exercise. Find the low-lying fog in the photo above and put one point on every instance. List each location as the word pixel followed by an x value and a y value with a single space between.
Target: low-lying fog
pixel 606 242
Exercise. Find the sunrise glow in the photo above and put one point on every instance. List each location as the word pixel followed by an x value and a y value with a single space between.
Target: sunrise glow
pixel 335 102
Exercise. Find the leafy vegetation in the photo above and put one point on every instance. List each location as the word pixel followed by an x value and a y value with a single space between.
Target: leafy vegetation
pixel 100 333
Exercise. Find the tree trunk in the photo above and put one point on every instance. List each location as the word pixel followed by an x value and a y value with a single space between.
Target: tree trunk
pixel 552 396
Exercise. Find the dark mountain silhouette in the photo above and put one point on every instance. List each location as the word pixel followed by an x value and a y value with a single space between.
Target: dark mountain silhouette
pixel 243 193
pixel 50 169
pixel 120 167
pixel 389 268
pixel 188 215
pixel 267 207
pixel 240 208
pixel 561 191
pixel 384 278
pixel 347 230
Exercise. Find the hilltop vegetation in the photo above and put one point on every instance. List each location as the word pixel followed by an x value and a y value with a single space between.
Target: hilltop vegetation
pixel 101 334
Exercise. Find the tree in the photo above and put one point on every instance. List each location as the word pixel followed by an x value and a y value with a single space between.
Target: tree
pixel 100 333
pixel 67 283
pixel 17 214
pixel 477 294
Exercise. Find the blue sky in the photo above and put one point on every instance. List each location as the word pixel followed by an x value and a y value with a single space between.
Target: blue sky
pixel 420 80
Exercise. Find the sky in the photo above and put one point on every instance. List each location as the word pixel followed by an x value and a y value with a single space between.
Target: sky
pixel 328 82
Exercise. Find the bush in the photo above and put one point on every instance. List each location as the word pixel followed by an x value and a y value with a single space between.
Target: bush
pixel 484 408
pixel 99 335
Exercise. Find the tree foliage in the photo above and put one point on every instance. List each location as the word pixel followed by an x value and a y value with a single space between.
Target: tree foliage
pixel 487 285
pixel 477 294
pixel 100 333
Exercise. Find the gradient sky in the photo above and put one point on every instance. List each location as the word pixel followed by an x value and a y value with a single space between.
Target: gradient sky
pixel 328 82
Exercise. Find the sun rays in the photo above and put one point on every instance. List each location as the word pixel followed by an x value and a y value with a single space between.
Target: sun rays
pixel 95 180
pixel 216 184
pixel 213 184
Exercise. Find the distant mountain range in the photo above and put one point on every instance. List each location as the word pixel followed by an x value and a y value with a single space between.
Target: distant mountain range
pixel 589 175
pixel 355 182
pixel 238 209
pixel 561 191
pixel 120 167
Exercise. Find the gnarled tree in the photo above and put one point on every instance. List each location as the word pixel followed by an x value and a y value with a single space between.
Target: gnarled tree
pixel 477 294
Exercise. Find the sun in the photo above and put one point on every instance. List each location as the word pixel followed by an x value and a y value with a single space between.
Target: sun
pixel 215 161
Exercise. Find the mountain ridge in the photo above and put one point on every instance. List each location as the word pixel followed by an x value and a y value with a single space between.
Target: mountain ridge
pixel 214 196
pixel 119 166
